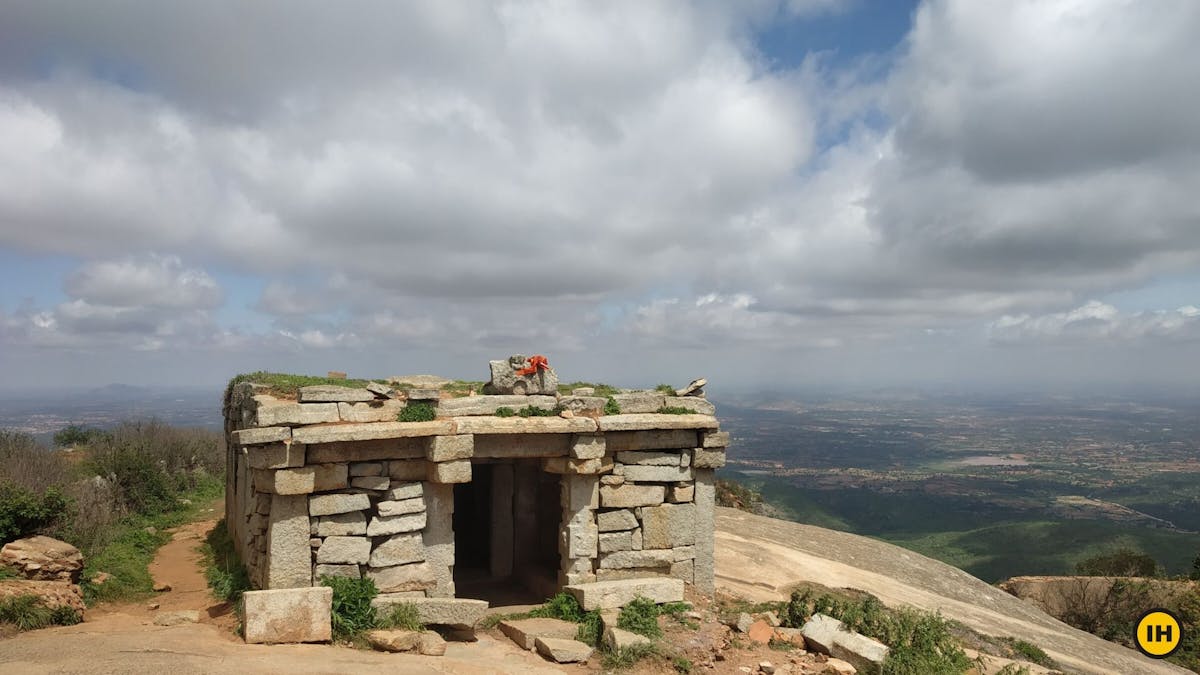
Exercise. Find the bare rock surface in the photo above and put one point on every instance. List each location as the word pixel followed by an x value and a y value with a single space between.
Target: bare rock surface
pixel 763 559
pixel 52 593
pixel 43 559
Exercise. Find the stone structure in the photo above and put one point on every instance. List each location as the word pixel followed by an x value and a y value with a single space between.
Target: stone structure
pixel 333 484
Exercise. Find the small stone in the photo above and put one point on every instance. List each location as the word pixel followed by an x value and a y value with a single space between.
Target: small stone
pixel 566 414
pixel 152 606
pixel 766 667
pixel 431 644
pixel 177 618
pixel 394 640
pixel 840 667
pixel 161 587
pixel 562 650
pixel 744 621
pixel 696 388
pixel 772 618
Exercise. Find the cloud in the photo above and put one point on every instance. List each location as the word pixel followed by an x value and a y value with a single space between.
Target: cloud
pixel 1096 321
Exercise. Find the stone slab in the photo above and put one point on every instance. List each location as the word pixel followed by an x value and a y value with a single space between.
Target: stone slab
pixel 657 474
pixel 261 436
pixel 708 458
pixel 332 393
pixel 377 483
pixel 342 524
pixel 347 571
pixel 289 560
pixel 714 439
pixel 829 636
pixel 524 632
pixel 562 650
pixel 399 549
pixel 639 402
pixel 653 421
pixel 488 405
pixel 271 412
pixel 302 480
pixel 327 505
pixel 619 638
pixel 583 405
pixel 459 612
pixel 405 490
pixel 334 433
pixel 615 594
pixel 616 541
pixel 412 577
pixel 367 469
pixel 408 470
pixel 288 615
pixel 517 446
pixel 660 439
pixel 694 403
pixel 524 425
pixel 374 411
pixel 401 507
pixel 456 471
pixel 447 448
pixel 613 521
pixel 656 458
pixel 367 451
pixel 384 525
pixel 275 456
pixel 631 559
pixel 344 550
pixel 628 496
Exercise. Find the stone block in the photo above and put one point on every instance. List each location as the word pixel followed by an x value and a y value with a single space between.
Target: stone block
pixel 525 631
pixel 612 479
pixel 289 561
pixel 518 446
pixel 367 451
pixel 457 471
pixel 651 421
pixel 329 393
pixel 524 425
pixel 366 469
pixel 348 571
pixel 583 405
pixel 344 550
pixel 634 573
pixel 653 439
pixel 379 389
pixel 657 474
pixel 327 505
pixel 681 494
pixel 615 594
pixel 708 458
pixel 587 446
pixel 705 501
pixel 626 496
pixel 375 411
pixel 423 394
pixel 394 640
pixel 275 456
pixel 684 570
pixel 655 458
pixel 579 493
pixel 378 483
pixel 488 405
pixel 693 403
pixel 616 541
pixel 431 644
pixel 714 439
pixel 405 490
pixel 412 577
pixel 457 612
pixel 411 470
pixel 399 549
pixel 562 650
pixel 447 448
pixel 612 521
pixel 617 638
pixel 637 539
pixel 302 480
pixel 439 537
pixel 827 635
pixel 271 412
pixel 336 433
pixel 288 615
pixel 505 380
pixel 639 402
pixel 668 526
pixel 401 507
pixel 567 465
pixel 644 558
pixel 384 525
pixel 342 524
pixel 261 436
pixel 579 540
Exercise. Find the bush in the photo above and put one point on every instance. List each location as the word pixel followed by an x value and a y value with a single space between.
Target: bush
pixel 222 568
pixel 28 464
pixel 640 616
pixel 531 411
pixel 1028 651
pixel 23 513
pixel 1195 569
pixel 738 496
pixel 352 610
pixel 148 463
pixel 505 411
pixel 74 435
pixel 418 412
pixel 1122 562
pixel 611 407
pixel 564 606
pixel 28 612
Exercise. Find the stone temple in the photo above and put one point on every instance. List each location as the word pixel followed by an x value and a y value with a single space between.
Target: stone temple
pixel 507 496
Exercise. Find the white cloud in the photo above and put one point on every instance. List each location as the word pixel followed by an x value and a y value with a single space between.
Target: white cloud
pixel 1097 321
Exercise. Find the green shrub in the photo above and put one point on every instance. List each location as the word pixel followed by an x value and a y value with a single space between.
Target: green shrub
pixel 564 606
pixel 505 411
pixel 1028 651
pixel 402 615
pixel 675 410
pixel 23 513
pixel 222 568
pixel 600 389
pixel 625 658
pixel 28 612
pixel 352 611
pixel 74 435
pixel 738 496
pixel 1123 562
pixel 418 412
pixel 666 389
pixel 531 411
pixel 682 665
pixel 611 407
pixel 640 616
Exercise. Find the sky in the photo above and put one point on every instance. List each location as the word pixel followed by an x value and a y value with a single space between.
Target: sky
pixel 769 193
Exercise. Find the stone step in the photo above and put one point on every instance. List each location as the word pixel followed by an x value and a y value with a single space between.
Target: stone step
pixel 458 612
pixel 620 592
pixel 525 632
pixel 562 650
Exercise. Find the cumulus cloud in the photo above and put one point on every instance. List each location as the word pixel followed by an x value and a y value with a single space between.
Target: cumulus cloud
pixel 1097 321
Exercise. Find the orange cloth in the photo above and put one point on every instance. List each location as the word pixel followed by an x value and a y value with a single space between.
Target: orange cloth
pixel 536 362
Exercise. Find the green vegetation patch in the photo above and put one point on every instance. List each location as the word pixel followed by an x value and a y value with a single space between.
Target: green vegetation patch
pixel 28 612
pixel 640 616
pixel 505 411
pixel 601 389
pixel 1027 651
pixel 611 407
pixel 23 513
pixel 403 615
pixel 675 410
pixel 666 389
pixel 222 568
pixel 288 386
pixel 564 606
pixel 418 412
pixel 532 411
pixel 352 614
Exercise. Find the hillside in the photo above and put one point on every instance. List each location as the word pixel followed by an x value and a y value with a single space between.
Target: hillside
pixel 762 558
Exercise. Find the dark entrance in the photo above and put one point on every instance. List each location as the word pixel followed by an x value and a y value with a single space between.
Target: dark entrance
pixel 506 525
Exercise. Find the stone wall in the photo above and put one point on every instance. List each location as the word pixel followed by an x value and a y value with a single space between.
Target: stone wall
pixel 332 484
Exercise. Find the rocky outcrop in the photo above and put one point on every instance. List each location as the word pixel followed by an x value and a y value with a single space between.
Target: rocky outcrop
pixel 52 593
pixel 43 559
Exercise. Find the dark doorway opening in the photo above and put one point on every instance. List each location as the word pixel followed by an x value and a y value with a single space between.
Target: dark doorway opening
pixel 506 525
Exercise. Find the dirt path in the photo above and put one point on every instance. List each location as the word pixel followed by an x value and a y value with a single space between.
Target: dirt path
pixel 123 638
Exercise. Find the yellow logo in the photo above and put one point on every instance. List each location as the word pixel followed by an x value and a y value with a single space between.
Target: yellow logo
pixel 1158 634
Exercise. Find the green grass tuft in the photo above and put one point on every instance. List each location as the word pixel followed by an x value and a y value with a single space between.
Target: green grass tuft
pixel 611 407
pixel 675 410
pixel 418 412
pixel 666 389
pixel 222 568
pixel 505 411
pixel 287 385
pixel 403 615
pixel 352 613
pixel 640 616
pixel 1030 652
pixel 623 659
pixel 28 612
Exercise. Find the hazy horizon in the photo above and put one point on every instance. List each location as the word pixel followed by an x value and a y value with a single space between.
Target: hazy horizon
pixel 827 195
